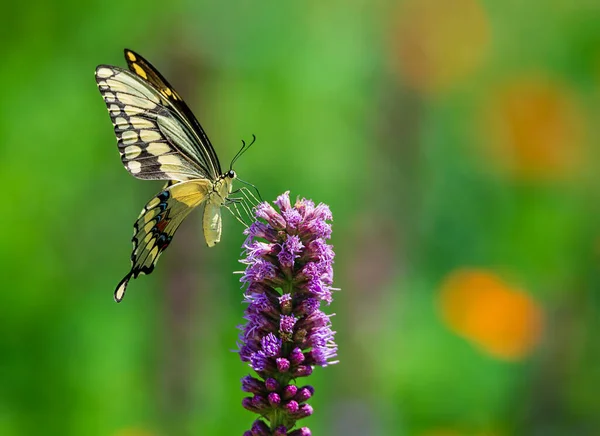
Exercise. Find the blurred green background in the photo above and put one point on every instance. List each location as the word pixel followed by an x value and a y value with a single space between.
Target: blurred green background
pixel 456 143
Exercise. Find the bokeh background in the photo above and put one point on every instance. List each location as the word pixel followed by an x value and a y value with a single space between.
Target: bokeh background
pixel 456 143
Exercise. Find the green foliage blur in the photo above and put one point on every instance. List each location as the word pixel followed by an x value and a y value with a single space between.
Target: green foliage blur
pixel 456 143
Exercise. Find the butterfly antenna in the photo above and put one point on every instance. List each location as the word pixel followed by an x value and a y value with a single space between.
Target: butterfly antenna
pixel 237 155
pixel 242 150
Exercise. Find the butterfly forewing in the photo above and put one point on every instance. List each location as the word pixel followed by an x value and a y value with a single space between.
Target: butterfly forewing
pixel 157 223
pixel 160 139
pixel 153 142
pixel 144 69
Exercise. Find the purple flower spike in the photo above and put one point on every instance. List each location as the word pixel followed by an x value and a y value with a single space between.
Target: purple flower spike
pixel 289 272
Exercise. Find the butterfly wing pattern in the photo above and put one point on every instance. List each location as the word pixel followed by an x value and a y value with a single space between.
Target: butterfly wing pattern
pixel 157 223
pixel 146 71
pixel 160 139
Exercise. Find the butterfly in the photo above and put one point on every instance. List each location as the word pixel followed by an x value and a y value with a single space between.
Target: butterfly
pixel 159 138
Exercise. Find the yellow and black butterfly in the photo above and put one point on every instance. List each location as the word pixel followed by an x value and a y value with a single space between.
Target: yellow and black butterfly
pixel 159 138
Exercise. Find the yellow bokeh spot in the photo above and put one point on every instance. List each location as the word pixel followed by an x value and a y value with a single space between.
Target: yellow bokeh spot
pixel 502 320
pixel 438 43
pixel 533 129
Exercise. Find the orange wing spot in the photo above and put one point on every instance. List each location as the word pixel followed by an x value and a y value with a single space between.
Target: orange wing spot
pixel 161 225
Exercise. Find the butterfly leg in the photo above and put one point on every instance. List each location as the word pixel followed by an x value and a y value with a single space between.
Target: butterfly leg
pixel 239 208
pixel 257 198
pixel 250 197
pixel 232 208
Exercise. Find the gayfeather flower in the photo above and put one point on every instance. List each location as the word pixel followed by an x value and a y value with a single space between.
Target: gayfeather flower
pixel 288 274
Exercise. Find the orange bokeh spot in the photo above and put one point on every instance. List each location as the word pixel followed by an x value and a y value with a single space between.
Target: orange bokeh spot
pixel 502 320
pixel 437 43
pixel 534 129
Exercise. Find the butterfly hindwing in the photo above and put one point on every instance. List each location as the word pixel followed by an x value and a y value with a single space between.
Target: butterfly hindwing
pixel 144 69
pixel 157 223
pixel 153 141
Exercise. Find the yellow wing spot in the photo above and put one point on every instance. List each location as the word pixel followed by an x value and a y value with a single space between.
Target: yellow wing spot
pixel 147 215
pixel 141 123
pixel 150 215
pixel 134 166
pixel 132 110
pixel 174 176
pixel 169 159
pixel 129 137
pixel 132 151
pixel 103 73
pixel 158 148
pixel 148 227
pixel 121 122
pixel 131 56
pixel 116 85
pixel 129 100
pixel 152 203
pixel 140 71
pixel 167 92
pixel 153 254
pixel 149 135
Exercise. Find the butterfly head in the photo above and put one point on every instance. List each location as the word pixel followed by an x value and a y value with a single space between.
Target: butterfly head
pixel 230 174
